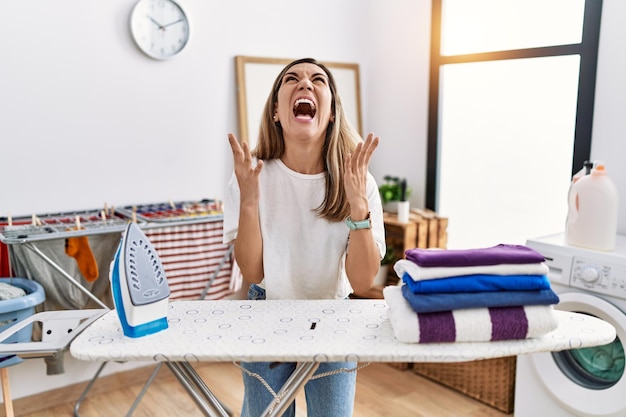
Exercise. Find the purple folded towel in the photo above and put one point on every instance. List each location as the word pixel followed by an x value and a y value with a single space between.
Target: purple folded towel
pixel 499 254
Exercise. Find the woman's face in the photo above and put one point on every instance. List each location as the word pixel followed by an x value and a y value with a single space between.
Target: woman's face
pixel 303 107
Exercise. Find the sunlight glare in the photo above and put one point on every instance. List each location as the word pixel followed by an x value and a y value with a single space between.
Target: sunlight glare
pixel 471 26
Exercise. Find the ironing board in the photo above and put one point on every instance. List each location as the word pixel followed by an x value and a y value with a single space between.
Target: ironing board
pixel 308 332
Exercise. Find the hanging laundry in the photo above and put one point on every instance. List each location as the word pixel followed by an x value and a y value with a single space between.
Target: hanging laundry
pixel 191 255
pixel 79 249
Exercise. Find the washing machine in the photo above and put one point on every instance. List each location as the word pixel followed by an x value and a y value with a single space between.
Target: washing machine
pixel 588 382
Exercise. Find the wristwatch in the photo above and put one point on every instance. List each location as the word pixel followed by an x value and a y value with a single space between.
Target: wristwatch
pixel 361 224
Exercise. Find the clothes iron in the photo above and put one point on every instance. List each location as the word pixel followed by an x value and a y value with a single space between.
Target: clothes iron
pixel 139 286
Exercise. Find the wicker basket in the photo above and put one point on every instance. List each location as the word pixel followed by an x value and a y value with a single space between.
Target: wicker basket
pixel 491 381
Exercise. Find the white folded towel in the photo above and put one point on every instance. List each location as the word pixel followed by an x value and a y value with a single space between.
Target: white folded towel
pixel 419 273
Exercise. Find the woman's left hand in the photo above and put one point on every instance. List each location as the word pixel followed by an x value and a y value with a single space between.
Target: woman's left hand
pixel 355 176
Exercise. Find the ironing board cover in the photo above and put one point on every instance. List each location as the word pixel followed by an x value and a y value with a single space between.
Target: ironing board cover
pixel 313 330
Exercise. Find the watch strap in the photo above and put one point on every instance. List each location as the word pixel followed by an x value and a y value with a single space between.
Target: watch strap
pixel 359 224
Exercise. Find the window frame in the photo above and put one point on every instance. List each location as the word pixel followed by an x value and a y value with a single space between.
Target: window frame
pixel 588 51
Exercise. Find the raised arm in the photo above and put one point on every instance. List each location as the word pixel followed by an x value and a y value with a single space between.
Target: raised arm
pixel 363 258
pixel 249 243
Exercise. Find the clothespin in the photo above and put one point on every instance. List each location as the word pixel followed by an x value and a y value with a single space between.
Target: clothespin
pixel 172 205
pixel 103 215
pixel 78 222
pixel 34 221
pixel 134 214
pixel 10 219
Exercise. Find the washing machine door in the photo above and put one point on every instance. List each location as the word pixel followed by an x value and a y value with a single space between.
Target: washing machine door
pixel 589 382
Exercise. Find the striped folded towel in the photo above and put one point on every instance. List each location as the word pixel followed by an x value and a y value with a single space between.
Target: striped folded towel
pixel 467 325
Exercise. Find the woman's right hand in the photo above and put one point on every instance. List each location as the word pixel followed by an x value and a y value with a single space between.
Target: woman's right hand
pixel 247 174
pixel 249 243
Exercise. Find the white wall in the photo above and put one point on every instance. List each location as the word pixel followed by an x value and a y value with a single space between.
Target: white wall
pixel 86 119
pixel 395 92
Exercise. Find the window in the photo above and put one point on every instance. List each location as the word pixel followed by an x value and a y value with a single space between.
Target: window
pixel 510 114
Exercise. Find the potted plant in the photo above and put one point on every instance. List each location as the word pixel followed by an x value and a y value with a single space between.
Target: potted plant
pixel 394 189
pixel 385 263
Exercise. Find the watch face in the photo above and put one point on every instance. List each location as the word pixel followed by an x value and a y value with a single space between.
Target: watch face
pixel 160 28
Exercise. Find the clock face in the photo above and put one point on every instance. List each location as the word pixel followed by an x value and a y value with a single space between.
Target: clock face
pixel 160 28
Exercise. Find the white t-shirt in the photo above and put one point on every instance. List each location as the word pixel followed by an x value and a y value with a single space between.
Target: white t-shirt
pixel 303 254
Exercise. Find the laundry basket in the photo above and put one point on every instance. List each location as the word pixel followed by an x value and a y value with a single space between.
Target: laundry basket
pixel 17 309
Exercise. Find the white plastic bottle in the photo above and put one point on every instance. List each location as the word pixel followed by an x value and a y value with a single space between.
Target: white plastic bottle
pixel 592 216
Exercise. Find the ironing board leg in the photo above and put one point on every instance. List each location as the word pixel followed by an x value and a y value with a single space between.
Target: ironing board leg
pixel 303 373
pixel 87 389
pixel 6 392
pixel 193 375
pixel 144 389
pixel 197 390
pixel 185 374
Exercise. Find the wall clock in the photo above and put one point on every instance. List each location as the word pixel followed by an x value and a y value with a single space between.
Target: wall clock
pixel 160 28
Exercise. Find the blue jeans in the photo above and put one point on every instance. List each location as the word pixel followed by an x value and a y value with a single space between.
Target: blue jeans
pixel 328 396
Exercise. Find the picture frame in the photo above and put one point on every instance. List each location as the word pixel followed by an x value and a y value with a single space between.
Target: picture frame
pixel 255 77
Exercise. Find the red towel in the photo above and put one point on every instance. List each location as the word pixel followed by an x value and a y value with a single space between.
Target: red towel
pixel 5 268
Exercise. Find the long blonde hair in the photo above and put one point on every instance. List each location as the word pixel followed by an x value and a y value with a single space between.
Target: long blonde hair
pixel 341 140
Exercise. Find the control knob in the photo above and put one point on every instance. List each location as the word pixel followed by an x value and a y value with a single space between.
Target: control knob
pixel 590 274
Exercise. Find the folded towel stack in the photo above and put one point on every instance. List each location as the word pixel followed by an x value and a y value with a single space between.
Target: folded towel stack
pixel 486 294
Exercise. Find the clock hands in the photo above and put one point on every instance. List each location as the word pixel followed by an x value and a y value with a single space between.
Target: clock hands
pixel 172 23
pixel 155 22
pixel 163 27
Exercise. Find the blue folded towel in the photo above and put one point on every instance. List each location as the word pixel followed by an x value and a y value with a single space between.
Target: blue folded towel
pixel 477 283
pixel 427 303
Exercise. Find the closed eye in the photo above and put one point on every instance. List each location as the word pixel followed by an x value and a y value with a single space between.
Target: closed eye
pixel 290 78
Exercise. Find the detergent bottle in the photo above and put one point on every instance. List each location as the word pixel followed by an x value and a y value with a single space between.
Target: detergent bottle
pixel 592 210
pixel 585 170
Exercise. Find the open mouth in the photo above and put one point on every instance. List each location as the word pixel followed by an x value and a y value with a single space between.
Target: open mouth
pixel 304 108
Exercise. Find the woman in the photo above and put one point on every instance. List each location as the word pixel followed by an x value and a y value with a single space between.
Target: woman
pixel 306 219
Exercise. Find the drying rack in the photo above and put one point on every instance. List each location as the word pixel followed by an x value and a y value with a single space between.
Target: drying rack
pixel 180 212
pixel 28 231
